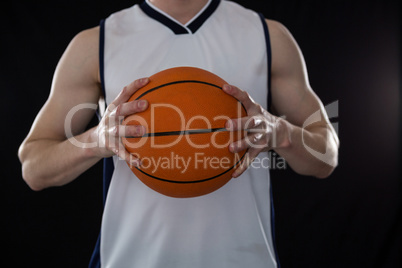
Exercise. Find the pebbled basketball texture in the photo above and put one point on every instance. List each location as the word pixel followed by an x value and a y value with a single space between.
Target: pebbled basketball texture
pixel 184 152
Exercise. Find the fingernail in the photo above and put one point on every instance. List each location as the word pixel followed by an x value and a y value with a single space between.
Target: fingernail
pixel 142 104
pixel 232 148
pixel 229 125
pixel 140 130
pixel 144 80
pixel 136 163
pixel 226 88
pixel 235 174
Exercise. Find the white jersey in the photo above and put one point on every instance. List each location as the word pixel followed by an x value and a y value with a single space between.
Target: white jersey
pixel 230 227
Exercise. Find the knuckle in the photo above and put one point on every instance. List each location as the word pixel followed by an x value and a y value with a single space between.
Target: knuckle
pixel 249 141
pixel 242 145
pixel 264 124
pixel 114 131
pixel 257 137
pixel 122 131
pixel 119 109
pixel 243 95
pixel 260 109
pixel 111 107
pixel 251 122
pixel 124 90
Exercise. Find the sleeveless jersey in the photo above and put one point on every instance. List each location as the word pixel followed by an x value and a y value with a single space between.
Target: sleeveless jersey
pixel 230 227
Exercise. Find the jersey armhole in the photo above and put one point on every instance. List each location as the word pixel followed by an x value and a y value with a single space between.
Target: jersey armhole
pixel 101 56
pixel 269 59
pixel 269 101
pixel 108 166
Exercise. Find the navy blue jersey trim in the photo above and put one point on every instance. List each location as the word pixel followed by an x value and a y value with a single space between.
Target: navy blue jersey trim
pixel 176 27
pixel 269 101
pixel 273 226
pixel 199 21
pixel 101 56
pixel 95 259
pixel 108 166
pixel 269 58
pixel 108 169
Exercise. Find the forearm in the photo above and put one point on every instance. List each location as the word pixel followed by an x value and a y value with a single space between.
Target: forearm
pixel 47 163
pixel 310 151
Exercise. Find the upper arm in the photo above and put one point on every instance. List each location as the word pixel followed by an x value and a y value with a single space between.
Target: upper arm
pixel 291 93
pixel 75 81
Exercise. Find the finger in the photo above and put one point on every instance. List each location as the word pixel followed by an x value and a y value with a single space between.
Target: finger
pixel 243 123
pixel 129 108
pixel 129 90
pixel 129 131
pixel 240 95
pixel 238 146
pixel 245 163
pixel 123 154
pixel 250 141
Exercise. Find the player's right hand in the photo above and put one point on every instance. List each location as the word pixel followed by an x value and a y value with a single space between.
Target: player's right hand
pixel 110 129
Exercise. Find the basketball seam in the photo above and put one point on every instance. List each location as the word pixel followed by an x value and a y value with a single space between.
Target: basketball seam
pixel 180 132
pixel 197 181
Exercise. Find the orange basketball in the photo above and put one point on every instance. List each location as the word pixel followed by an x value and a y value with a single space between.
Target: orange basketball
pixel 184 152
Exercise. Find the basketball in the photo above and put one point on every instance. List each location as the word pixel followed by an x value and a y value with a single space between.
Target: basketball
pixel 184 152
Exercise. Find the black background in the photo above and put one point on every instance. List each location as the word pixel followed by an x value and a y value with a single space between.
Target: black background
pixel 351 219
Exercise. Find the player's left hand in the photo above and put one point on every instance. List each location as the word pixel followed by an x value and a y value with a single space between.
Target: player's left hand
pixel 265 131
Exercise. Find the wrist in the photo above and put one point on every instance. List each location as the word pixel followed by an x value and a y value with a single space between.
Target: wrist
pixel 281 137
pixel 88 142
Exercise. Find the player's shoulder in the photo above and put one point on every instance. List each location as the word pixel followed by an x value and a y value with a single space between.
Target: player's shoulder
pixel 239 16
pixel 84 46
pixel 82 53
pixel 281 38
pixel 87 37
pixel 235 9
pixel 276 28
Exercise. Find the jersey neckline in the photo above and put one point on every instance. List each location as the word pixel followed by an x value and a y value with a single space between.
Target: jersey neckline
pixel 178 28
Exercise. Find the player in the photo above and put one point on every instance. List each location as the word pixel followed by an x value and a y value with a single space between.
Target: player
pixel 230 227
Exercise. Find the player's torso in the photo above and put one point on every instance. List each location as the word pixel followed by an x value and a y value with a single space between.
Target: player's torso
pixel 227 228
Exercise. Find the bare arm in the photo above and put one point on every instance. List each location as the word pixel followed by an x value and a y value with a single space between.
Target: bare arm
pixel 292 98
pixel 48 155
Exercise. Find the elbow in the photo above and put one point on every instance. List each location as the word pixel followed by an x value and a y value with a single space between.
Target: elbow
pixel 328 161
pixel 325 172
pixel 326 168
pixel 35 183
pixel 28 171
pixel 31 179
